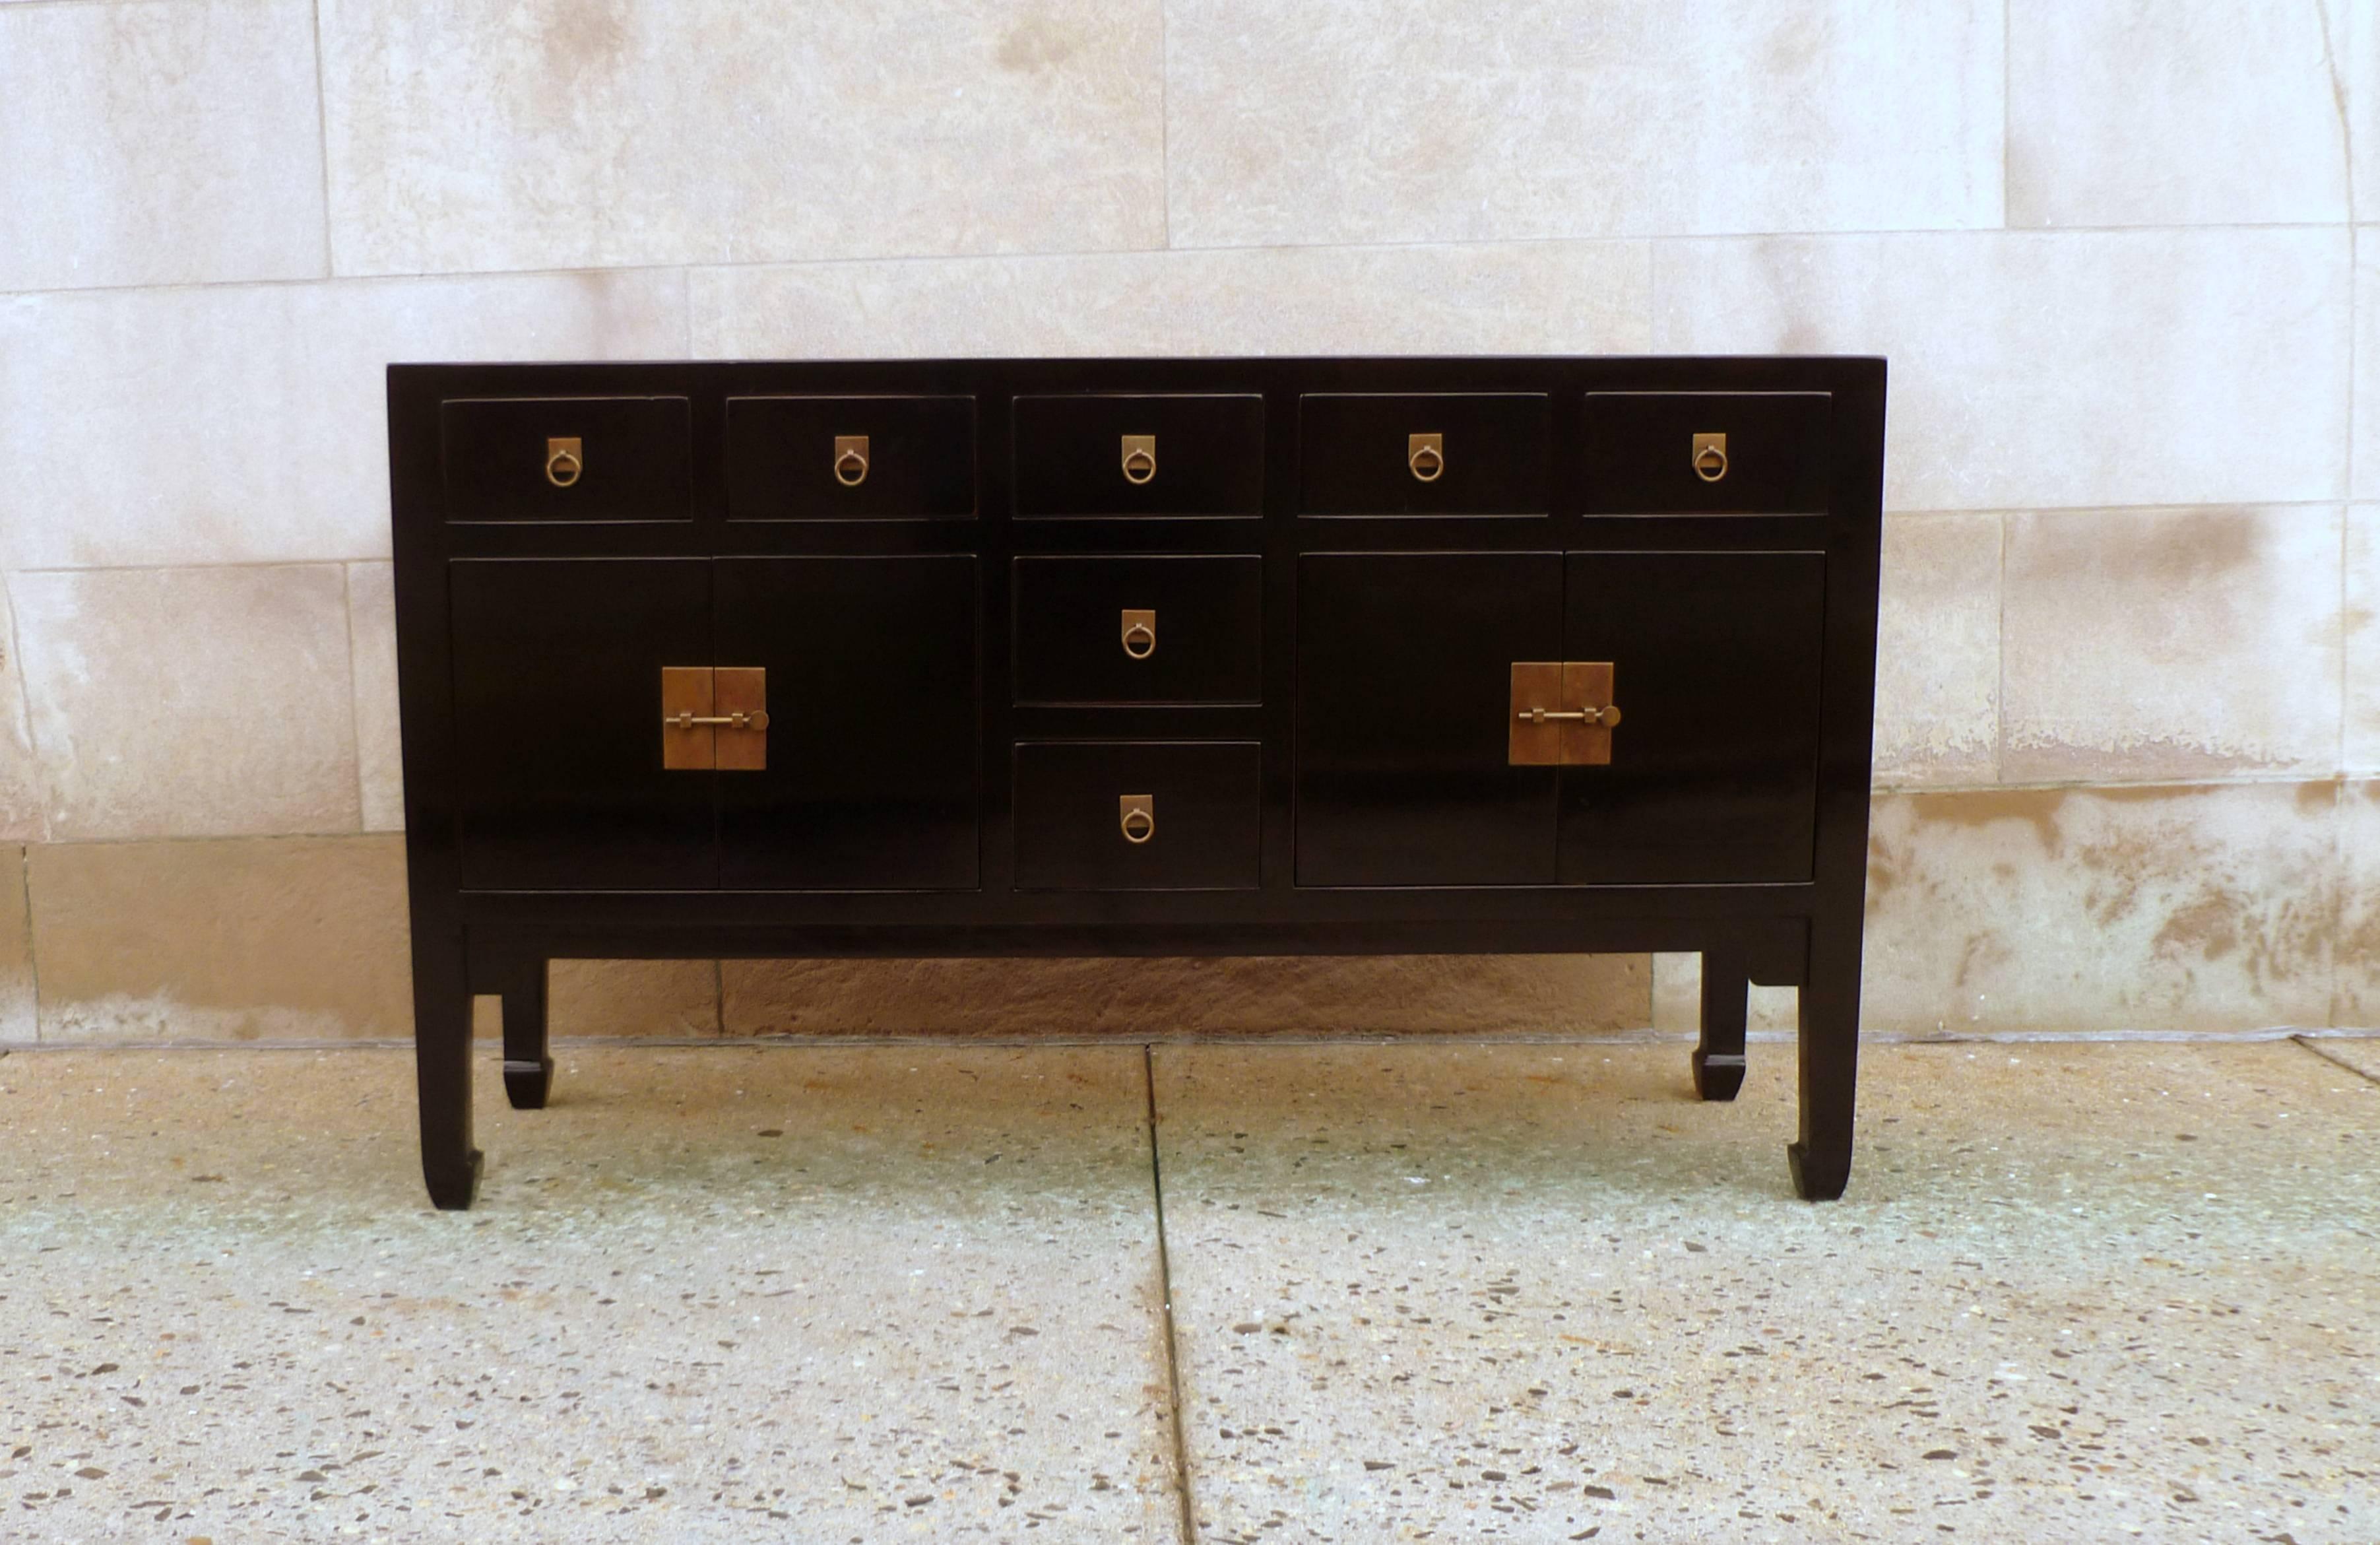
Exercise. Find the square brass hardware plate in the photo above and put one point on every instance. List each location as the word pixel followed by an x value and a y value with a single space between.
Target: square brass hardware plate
pixel 714 718
pixel 1561 713
pixel 685 691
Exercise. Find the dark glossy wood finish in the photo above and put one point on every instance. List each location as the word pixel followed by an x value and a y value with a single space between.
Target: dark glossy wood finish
pixel 1714 772
pixel 636 458
pixel 781 458
pixel 871 776
pixel 1209 454
pixel 1208 632
pixel 1206 803
pixel 1355 454
pixel 925 788
pixel 1403 675
pixel 1640 453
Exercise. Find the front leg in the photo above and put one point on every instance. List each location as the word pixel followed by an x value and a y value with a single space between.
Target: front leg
pixel 442 1058
pixel 1829 1047
pixel 528 1071
pixel 1718 1061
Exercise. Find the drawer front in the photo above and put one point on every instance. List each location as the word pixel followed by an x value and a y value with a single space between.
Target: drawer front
pixel 568 459
pixel 850 459
pixel 1708 453
pixel 1140 630
pixel 1457 454
pixel 1140 456
pixel 1193 806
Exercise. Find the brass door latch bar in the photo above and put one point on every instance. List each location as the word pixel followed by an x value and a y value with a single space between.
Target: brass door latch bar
pixel 1562 714
pixel 715 718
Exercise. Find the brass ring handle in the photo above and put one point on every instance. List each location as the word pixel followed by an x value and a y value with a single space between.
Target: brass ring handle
pixel 688 719
pixel 1139 458
pixel 1710 457
pixel 1138 818
pixel 1426 457
pixel 1607 717
pixel 563 463
pixel 851 467
pixel 1140 640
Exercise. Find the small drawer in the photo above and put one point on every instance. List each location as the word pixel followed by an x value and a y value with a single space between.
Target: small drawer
pixel 568 459
pixel 850 459
pixel 1140 630
pixel 1139 456
pixel 1708 453
pixel 1138 815
pixel 1458 453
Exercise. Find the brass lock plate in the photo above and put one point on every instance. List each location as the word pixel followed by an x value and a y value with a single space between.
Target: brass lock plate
pixel 1561 714
pixel 714 718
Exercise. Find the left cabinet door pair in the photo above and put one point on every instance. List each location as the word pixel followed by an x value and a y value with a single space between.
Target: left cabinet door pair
pixel 871 678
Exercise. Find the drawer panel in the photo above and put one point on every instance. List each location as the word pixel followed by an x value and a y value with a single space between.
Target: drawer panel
pixel 567 458
pixel 850 459
pixel 1202 800
pixel 1140 456
pixel 1706 453
pixel 1455 454
pixel 1140 630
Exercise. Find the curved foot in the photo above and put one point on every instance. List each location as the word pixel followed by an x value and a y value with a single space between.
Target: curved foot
pixel 525 1083
pixel 453 1191
pixel 1718 1075
pixel 1819 1178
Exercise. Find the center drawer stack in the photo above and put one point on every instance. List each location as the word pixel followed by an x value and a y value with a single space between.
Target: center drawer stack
pixel 1164 639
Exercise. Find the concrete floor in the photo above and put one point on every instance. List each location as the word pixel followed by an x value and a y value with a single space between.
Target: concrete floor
pixel 2077 1291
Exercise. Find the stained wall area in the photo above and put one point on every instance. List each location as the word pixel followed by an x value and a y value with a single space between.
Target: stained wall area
pixel 2125 261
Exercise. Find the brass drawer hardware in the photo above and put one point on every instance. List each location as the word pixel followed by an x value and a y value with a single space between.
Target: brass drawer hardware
pixel 1136 814
pixel 1562 714
pixel 714 718
pixel 564 463
pixel 851 459
pixel 1710 457
pixel 1139 458
pixel 1139 633
pixel 1425 454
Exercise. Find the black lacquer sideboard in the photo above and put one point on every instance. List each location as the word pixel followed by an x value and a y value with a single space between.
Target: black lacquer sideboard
pixel 1137 657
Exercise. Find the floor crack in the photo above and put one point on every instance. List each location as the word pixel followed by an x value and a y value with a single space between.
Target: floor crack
pixel 1165 1303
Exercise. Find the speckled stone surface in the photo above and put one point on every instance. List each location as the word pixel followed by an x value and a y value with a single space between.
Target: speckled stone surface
pixel 723 1294
pixel 2076 1293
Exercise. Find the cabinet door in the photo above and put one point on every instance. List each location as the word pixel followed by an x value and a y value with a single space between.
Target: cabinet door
pixel 1714 764
pixel 559 781
pixel 1404 682
pixel 870 782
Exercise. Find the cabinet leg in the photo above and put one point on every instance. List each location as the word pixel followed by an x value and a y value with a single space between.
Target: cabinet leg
pixel 442 1056
pixel 1830 1067
pixel 529 1071
pixel 1718 1061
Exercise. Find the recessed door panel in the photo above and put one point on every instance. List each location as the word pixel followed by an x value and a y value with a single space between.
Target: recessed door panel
pixel 871 782
pixel 559 776
pixel 1715 660
pixel 1403 685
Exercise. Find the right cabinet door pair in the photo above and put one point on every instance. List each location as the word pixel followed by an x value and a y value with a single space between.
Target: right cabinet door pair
pixel 1404 693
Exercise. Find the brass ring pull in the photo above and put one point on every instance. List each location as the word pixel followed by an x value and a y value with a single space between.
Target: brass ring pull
pixel 1136 817
pixel 1426 457
pixel 851 459
pixel 688 719
pixel 562 462
pixel 1139 458
pixel 1139 640
pixel 1710 457
pixel 1608 716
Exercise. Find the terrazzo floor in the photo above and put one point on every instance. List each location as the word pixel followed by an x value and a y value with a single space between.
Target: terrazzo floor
pixel 1526 1292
